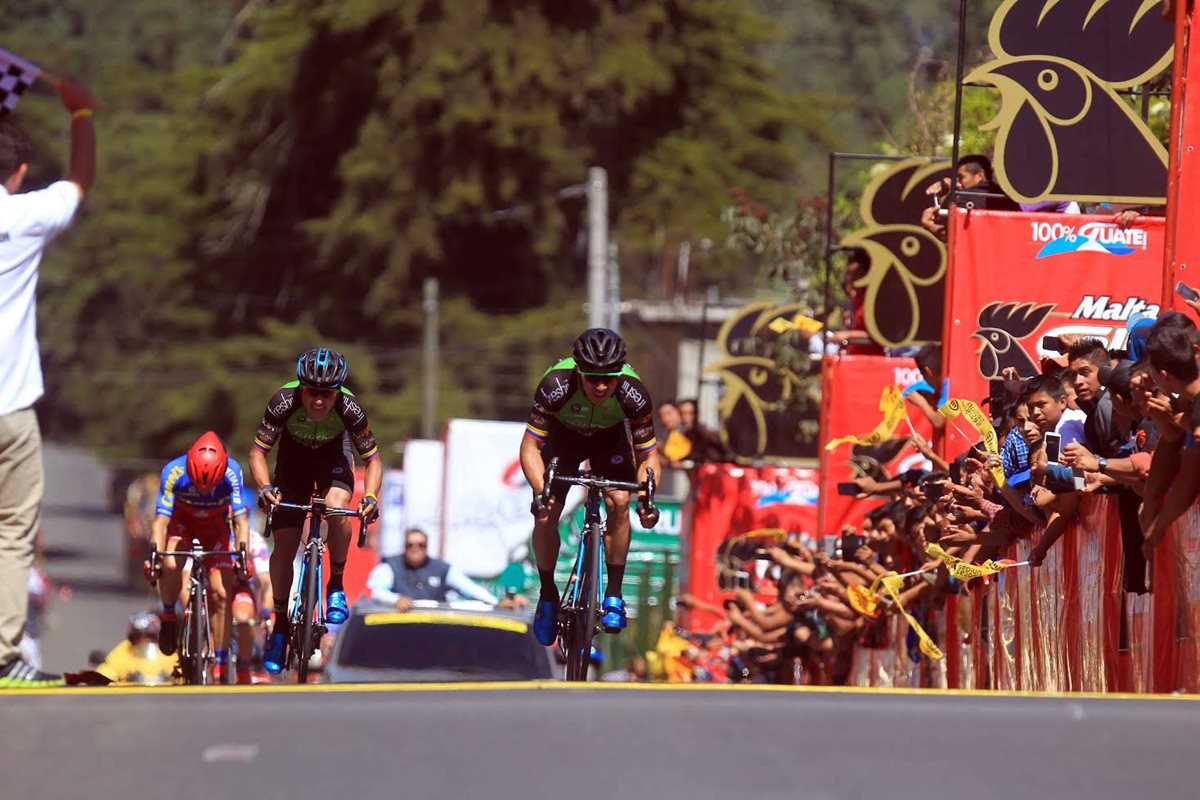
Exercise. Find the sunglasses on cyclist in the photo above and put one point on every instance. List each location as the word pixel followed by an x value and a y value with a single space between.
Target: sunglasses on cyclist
pixel 600 377
pixel 323 393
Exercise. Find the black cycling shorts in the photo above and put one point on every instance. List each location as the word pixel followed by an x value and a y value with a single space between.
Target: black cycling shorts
pixel 609 451
pixel 301 472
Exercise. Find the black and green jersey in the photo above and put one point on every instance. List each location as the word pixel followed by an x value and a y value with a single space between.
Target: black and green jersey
pixel 285 415
pixel 560 397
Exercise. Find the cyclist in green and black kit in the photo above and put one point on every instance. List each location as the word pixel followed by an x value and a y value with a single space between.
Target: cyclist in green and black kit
pixel 315 419
pixel 592 407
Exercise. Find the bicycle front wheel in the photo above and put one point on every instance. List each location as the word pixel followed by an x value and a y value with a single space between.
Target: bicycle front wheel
pixel 196 641
pixel 583 626
pixel 308 610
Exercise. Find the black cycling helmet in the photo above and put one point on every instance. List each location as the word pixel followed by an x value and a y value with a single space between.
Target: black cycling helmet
pixel 600 350
pixel 322 368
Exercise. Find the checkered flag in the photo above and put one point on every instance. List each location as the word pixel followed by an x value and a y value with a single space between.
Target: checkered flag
pixel 16 75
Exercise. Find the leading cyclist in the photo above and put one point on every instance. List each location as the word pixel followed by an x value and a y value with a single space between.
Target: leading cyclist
pixel 592 407
pixel 198 493
pixel 314 419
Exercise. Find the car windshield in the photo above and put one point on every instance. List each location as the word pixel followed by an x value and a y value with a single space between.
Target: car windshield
pixel 478 646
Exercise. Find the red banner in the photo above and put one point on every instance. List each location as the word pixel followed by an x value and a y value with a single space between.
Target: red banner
pixel 851 387
pixel 1015 278
pixel 731 505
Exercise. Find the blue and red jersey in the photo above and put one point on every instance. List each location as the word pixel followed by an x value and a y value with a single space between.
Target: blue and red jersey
pixel 179 499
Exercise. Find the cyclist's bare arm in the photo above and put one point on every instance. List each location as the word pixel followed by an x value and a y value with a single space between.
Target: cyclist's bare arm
pixel 373 480
pixel 241 530
pixel 259 469
pixel 164 506
pixel 649 461
pixel 269 430
pixel 532 463
pixel 645 446
pixel 158 531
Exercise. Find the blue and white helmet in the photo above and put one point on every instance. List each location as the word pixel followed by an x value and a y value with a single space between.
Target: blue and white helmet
pixel 322 368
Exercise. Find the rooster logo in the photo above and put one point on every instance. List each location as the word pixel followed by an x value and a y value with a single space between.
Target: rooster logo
pixel 870 460
pixel 1000 326
pixel 1064 132
pixel 758 405
pixel 904 287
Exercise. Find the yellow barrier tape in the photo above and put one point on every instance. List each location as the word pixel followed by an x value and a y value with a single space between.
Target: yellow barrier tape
pixel 891 403
pixel 966 571
pixel 891 585
pixel 417 618
pixel 979 421
pixel 863 600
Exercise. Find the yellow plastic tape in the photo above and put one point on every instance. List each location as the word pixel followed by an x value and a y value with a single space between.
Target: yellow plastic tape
pixel 891 403
pixel 419 618
pixel 925 642
pixel 863 600
pixel 980 422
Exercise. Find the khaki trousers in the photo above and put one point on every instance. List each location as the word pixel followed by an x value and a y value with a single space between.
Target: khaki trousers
pixel 21 484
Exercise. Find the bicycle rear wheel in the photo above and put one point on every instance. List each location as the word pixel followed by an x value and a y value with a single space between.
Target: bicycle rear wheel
pixel 304 649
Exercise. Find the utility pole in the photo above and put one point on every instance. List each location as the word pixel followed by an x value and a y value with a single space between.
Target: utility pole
pixel 614 288
pixel 597 202
pixel 429 361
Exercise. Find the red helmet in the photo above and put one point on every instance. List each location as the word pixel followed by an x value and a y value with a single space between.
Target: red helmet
pixel 206 462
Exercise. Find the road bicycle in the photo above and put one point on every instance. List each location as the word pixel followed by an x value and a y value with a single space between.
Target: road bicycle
pixel 579 611
pixel 307 615
pixel 196 649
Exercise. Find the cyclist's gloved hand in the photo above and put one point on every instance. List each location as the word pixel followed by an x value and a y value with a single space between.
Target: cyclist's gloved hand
pixel 648 515
pixel 245 569
pixel 268 496
pixel 538 508
pixel 368 507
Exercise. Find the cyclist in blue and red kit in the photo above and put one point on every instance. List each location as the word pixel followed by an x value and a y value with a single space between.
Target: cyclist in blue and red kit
pixel 200 492
pixel 315 420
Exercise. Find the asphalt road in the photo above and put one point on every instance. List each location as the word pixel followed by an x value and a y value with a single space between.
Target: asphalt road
pixel 83 552
pixel 583 743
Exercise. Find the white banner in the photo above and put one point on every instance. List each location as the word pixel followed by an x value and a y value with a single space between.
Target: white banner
pixel 391 513
pixel 486 522
pixel 423 491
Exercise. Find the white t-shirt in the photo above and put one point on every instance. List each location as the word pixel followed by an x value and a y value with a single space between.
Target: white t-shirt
pixel 27 222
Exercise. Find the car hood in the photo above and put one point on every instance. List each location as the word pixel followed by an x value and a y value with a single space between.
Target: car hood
pixel 342 674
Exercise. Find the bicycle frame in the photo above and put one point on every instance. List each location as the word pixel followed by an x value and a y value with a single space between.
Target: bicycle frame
pixel 578 614
pixel 307 614
pixel 197 647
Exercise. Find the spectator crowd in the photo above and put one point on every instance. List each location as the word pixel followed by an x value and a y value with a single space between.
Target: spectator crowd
pixel 1094 421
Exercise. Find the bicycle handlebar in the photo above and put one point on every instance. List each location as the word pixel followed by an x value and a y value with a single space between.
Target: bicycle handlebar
pixel 239 558
pixel 324 511
pixel 589 481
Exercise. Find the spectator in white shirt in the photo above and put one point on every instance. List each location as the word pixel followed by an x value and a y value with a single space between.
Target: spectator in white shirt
pixel 28 221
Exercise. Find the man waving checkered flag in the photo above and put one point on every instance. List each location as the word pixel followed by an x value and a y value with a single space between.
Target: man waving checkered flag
pixel 16 75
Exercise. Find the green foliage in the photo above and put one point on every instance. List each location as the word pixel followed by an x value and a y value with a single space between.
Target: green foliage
pixel 787 250
pixel 274 175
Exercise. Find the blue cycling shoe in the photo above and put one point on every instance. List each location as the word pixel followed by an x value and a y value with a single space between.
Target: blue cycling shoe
pixel 276 653
pixel 614 618
pixel 545 622
pixel 336 610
